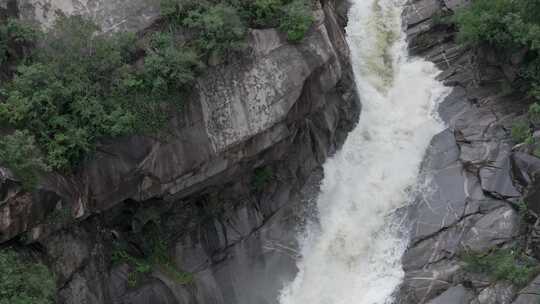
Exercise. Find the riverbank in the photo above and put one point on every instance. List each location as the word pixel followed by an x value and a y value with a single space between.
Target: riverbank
pixel 473 194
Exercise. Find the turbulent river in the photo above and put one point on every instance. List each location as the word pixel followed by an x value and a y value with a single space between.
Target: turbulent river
pixel 352 253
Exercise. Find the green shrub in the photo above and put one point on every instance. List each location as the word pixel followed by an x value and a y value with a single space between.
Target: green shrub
pixel 19 151
pixel 265 13
pixel 486 21
pixel 14 33
pixel 220 29
pixel 502 264
pixel 156 256
pixel 261 177
pixel 64 96
pixel 507 25
pixel 520 131
pixel 169 68
pixel 296 19
pixel 24 282
pixel 534 113
pixel 175 11
pixel 79 87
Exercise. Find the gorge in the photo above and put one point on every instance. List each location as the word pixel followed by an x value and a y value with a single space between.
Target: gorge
pixel 367 163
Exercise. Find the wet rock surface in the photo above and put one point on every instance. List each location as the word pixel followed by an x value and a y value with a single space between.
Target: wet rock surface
pixel 472 177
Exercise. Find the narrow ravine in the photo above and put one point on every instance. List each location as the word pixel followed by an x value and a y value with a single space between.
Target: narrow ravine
pixel 352 253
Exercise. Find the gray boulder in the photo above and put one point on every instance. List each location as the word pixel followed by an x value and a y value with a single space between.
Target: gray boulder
pixel 454 295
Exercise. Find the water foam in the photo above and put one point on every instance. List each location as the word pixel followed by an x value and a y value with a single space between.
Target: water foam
pixel 352 254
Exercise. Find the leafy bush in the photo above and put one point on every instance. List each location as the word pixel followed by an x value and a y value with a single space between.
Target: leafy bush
pixel 296 19
pixel 222 24
pixel 169 68
pixel 14 33
pixel 507 25
pixel 157 257
pixel 264 13
pixel 486 21
pixel 24 282
pixel 175 11
pixel 79 87
pixel 64 96
pixel 19 150
pixel 520 131
pixel 220 29
pixel 502 264
pixel 534 113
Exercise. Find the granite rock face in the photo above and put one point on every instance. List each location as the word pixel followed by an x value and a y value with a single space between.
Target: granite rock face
pixel 118 15
pixel 280 108
pixel 471 171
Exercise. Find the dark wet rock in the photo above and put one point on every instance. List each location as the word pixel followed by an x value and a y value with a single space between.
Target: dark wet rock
pixel 154 292
pixel 70 252
pixel 424 284
pixel 454 295
pixel 442 246
pixel 496 177
pixel 443 151
pixel 444 201
pixel 526 169
pixel 421 10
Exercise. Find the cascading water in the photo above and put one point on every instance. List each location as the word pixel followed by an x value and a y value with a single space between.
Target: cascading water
pixel 352 254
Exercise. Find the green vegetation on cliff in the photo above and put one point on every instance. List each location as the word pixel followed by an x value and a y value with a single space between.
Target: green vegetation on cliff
pixel 509 26
pixel 503 265
pixel 223 24
pixel 77 86
pixel 14 36
pixel 23 281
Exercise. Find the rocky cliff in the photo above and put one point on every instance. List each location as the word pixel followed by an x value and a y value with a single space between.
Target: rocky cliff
pixel 474 175
pixel 219 188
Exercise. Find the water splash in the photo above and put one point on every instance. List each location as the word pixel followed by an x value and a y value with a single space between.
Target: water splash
pixel 352 254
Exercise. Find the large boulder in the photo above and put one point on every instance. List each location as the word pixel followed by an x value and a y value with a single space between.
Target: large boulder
pixel 454 295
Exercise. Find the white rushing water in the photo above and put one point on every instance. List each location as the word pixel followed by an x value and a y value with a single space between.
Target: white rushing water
pixel 352 254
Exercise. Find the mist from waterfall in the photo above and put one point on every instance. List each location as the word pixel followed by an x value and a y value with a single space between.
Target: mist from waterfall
pixel 352 253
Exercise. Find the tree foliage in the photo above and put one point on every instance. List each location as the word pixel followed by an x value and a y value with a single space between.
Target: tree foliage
pixel 507 25
pixel 24 282
pixel 79 86
pixel 296 19
pixel 13 35
pixel 20 151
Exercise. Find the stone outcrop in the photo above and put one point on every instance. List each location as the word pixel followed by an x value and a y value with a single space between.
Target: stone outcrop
pixel 118 15
pixel 469 200
pixel 281 108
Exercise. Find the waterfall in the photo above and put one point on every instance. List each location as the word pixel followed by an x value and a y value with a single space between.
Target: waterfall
pixel 352 253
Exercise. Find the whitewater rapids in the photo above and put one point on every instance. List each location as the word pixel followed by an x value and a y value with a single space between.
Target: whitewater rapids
pixel 352 253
